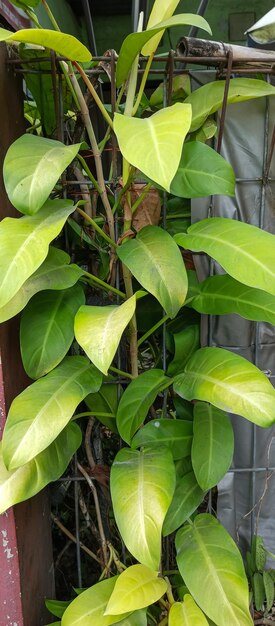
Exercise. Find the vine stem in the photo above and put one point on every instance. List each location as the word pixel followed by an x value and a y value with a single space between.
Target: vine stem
pixel 92 90
pixel 143 83
pixel 124 374
pixel 97 156
pixel 73 538
pixel 50 15
pixel 152 330
pixel 89 173
pixel 98 513
pixel 96 227
pixel 93 414
pixel 104 285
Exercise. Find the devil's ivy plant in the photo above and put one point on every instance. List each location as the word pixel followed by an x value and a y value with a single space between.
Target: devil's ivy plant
pixel 174 450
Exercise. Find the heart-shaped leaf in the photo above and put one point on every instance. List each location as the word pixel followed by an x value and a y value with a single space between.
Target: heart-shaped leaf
pixel 136 42
pixel 47 329
pixel 186 499
pixel 246 252
pixel 32 166
pixel 186 613
pixel 41 411
pixel 209 98
pixel 177 435
pixel 156 263
pixel 89 607
pixel 206 552
pixel 213 444
pixel 162 133
pixel 142 486
pixel 62 43
pixel 24 244
pixel 202 172
pixel 220 295
pixel 137 400
pixel 98 330
pixel 137 587
pixel 229 382
pixel 54 273
pixel 23 483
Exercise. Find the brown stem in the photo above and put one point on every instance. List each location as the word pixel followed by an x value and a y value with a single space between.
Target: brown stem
pixel 97 156
pixel 73 538
pixel 88 449
pixel 98 513
pixel 127 277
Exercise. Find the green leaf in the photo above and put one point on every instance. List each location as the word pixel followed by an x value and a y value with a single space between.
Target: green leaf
pixel 138 618
pixel 213 444
pixel 134 43
pixel 39 84
pixel 98 330
pixel 54 624
pixel 142 486
pixel 258 590
pixel 41 411
pixel 202 172
pixel 187 497
pixel 62 43
pixel 137 400
pixel 137 587
pixel 186 613
pixel 229 382
pixel 162 133
pixel 57 607
pixel 212 568
pixel 245 252
pixel 158 266
pixel 54 273
pixel 47 329
pixel 105 401
pixel 175 434
pixel 209 98
pixel 186 342
pixel 259 552
pixel 89 607
pixel 23 483
pixel 32 166
pixel 181 88
pixel 25 3
pixel 222 294
pixel 24 244
pixel 269 590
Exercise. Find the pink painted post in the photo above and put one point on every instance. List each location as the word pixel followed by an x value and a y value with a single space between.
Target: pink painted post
pixel 26 563
pixel 11 612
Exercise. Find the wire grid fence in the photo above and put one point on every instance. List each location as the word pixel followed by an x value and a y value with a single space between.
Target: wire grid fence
pixel 164 68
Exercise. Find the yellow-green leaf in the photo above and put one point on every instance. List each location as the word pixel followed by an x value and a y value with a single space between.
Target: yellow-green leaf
pixel 54 273
pixel 138 586
pixel 32 166
pixel 212 568
pixel 43 409
pixel 62 43
pixel 24 244
pixel 156 263
pixel 89 607
pixel 230 382
pixel 186 613
pixel 154 144
pixel 98 330
pixel 24 482
pixel 142 487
